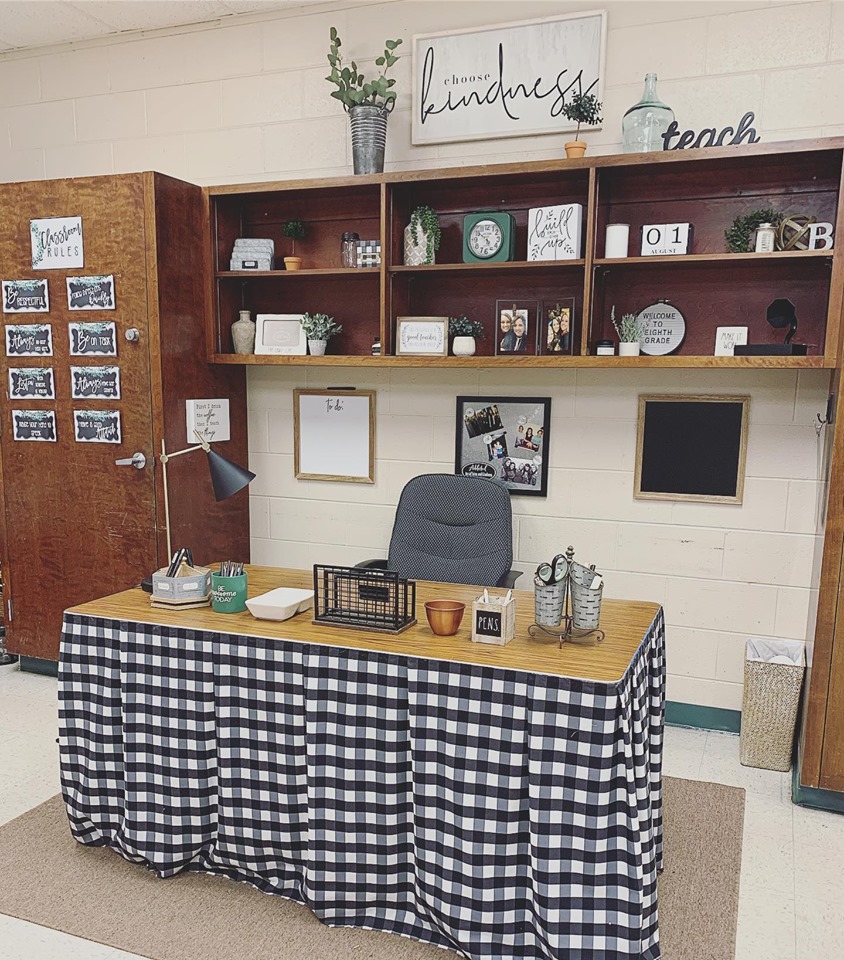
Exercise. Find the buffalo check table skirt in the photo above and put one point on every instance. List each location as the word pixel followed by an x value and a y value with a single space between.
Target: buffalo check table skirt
pixel 498 813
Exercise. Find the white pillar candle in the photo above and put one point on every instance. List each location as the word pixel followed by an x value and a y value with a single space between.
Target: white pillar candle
pixel 618 236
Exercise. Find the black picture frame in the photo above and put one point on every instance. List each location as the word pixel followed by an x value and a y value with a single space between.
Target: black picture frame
pixel 504 439
pixel 527 313
pixel 563 346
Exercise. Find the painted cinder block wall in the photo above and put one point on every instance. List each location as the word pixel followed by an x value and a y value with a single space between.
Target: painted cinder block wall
pixel 229 102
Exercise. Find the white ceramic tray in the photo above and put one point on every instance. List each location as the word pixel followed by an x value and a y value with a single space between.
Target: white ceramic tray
pixel 281 603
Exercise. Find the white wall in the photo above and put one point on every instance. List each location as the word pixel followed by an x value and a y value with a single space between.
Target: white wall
pixel 226 103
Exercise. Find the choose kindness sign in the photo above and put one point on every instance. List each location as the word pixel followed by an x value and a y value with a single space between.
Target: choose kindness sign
pixel 507 80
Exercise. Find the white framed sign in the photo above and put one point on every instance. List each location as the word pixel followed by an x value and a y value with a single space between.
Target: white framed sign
pixel 209 418
pixel 507 79
pixel 280 334
pixel 665 239
pixel 554 232
pixel 26 296
pixel 56 243
pixel 422 336
pixel 334 435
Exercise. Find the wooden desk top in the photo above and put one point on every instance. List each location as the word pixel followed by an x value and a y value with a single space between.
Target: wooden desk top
pixel 625 623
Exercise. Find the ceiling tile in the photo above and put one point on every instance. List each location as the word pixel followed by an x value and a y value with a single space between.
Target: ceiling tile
pixel 24 24
pixel 151 14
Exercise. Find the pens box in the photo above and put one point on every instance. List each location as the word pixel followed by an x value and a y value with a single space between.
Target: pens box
pixel 493 621
pixel 195 586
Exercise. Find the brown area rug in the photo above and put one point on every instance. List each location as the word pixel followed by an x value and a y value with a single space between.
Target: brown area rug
pixel 92 892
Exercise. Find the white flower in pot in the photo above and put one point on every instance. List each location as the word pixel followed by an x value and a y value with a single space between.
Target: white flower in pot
pixel 629 330
pixel 422 237
pixel 465 332
pixel 319 329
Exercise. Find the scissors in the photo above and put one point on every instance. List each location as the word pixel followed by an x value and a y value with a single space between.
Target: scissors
pixel 553 572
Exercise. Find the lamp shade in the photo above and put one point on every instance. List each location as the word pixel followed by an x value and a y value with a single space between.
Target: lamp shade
pixel 227 478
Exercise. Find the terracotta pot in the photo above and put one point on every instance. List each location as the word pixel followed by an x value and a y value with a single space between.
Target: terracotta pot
pixel 292 263
pixel 444 616
pixel 575 149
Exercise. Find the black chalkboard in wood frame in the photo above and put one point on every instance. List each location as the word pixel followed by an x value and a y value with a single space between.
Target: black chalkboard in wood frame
pixel 691 448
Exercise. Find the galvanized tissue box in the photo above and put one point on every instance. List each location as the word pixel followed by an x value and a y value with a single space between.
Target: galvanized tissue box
pixel 494 619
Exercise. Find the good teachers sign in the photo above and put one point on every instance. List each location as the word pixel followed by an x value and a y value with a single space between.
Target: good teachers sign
pixel 507 80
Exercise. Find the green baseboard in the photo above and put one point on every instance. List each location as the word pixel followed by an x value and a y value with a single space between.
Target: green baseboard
pixel 704 718
pixel 49 668
pixel 814 797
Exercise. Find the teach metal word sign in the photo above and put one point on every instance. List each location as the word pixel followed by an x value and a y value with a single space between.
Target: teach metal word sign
pixel 90 293
pixel 97 339
pixel 26 296
pixel 710 137
pixel 95 383
pixel 29 340
pixel 37 425
pixel 97 426
pixel 56 243
pixel 35 382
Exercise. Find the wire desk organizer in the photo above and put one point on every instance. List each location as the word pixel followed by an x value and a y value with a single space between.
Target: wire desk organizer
pixel 569 609
pixel 363 599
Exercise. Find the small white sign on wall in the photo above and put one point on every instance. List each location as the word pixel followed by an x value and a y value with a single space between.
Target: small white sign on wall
pixel 209 418
pixel 56 243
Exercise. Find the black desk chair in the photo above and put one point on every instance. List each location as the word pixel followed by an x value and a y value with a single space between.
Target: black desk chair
pixel 454 529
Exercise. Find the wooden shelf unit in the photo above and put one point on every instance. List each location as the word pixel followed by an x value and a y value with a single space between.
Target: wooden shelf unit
pixel 711 287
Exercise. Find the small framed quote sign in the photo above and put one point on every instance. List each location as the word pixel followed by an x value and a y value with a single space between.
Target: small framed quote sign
pixel 26 296
pixel 554 232
pixel 691 448
pixel 422 336
pixel 334 435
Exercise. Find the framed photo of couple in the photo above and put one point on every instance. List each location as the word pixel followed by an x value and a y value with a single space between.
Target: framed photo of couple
pixel 534 327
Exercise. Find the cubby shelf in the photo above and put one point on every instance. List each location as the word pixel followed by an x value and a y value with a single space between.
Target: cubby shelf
pixel 708 188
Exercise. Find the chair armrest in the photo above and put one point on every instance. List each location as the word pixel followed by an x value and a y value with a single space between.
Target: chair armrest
pixel 509 579
pixel 372 564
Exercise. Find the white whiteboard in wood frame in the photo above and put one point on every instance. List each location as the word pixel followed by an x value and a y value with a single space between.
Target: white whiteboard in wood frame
pixel 505 79
pixel 334 435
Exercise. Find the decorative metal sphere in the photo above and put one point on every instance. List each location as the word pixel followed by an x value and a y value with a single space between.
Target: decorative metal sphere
pixel 793 232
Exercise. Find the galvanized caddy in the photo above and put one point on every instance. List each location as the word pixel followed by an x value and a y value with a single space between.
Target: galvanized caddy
pixel 548 604
pixel 585 601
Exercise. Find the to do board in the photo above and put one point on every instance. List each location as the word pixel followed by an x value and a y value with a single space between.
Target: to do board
pixel 691 448
pixel 334 435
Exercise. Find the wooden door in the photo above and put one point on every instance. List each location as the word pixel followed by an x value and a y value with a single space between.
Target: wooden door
pixel 77 525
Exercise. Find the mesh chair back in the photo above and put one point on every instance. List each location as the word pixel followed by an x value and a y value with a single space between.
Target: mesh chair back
pixel 452 528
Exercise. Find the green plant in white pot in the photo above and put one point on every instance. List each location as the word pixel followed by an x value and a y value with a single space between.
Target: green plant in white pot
pixel 319 329
pixel 422 237
pixel 465 332
pixel 629 330
pixel 368 103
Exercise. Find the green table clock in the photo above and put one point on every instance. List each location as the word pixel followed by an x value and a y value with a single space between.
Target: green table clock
pixel 488 237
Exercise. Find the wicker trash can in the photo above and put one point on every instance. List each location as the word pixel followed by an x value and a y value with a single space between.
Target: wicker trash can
pixel 773 678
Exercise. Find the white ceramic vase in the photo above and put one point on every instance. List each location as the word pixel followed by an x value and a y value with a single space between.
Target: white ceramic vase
pixel 629 349
pixel 416 254
pixel 316 348
pixel 463 347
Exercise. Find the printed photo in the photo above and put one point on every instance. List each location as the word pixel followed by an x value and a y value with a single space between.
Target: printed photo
pixel 519 471
pixel 558 329
pixel 482 421
pixel 513 330
pixel 529 436
pixel 496 445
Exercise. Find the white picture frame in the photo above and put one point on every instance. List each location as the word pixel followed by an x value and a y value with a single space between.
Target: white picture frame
pixel 421 336
pixel 280 335
pixel 537 56
pixel 334 435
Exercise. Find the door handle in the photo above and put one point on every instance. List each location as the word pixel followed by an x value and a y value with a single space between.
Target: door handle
pixel 137 460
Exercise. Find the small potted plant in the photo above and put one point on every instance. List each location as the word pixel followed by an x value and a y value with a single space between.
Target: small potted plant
pixel 465 332
pixel 583 108
pixel 367 102
pixel 422 237
pixel 629 331
pixel 294 230
pixel 319 329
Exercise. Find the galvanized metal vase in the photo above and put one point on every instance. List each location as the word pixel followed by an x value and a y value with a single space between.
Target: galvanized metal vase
pixel 369 137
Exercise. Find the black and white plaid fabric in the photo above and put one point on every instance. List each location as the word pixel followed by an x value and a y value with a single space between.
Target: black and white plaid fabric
pixel 499 813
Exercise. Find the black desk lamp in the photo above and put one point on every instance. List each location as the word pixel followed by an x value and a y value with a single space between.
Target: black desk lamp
pixel 227 478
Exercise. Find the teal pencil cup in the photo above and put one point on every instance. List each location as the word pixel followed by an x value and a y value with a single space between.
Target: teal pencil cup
pixel 228 594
